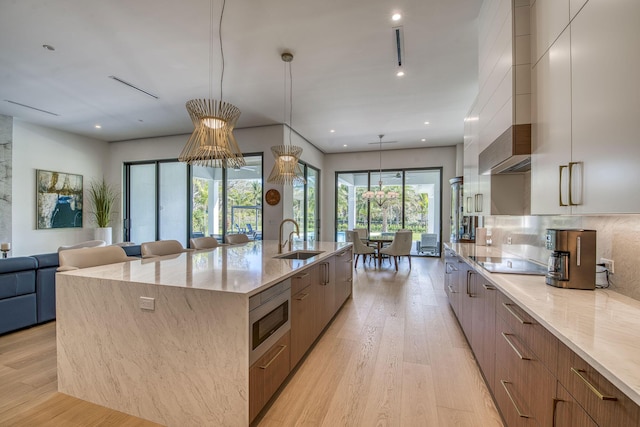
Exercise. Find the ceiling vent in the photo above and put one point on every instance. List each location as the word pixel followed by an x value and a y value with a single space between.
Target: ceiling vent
pixel 30 107
pixel 132 86
pixel 398 43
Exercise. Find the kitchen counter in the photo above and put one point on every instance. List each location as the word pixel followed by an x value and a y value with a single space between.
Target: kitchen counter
pixel 243 269
pixel 601 326
pixel 185 361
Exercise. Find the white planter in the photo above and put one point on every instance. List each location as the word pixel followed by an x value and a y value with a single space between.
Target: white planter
pixel 103 233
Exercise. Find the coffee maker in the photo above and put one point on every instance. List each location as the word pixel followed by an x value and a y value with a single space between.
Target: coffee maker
pixel 572 264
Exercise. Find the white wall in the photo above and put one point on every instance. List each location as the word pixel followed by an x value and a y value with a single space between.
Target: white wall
pixel 38 147
pixel 250 140
pixel 370 160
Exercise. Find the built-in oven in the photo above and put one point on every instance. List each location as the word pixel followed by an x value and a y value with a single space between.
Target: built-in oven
pixel 269 314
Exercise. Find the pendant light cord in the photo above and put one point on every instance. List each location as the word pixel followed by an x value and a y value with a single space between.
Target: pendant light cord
pixel 221 49
pixel 290 102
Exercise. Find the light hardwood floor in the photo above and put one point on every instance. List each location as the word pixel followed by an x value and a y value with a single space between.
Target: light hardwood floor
pixel 393 356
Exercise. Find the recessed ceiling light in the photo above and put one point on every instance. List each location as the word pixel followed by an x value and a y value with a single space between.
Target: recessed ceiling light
pixel 471 119
pixel 48 47
pixel 345 145
pixel 426 123
pixel 98 126
pixel 423 140
pixel 332 131
pixel 396 17
pixel 400 73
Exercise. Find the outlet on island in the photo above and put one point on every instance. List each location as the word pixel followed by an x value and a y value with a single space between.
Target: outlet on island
pixel 147 303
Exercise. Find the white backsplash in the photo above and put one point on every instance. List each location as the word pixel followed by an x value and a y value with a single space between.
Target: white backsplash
pixel 617 238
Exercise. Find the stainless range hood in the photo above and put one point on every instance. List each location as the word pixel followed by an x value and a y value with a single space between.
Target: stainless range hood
pixel 509 153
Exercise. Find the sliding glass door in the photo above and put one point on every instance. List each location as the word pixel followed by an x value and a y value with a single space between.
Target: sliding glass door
pixel 412 200
pixel 170 200
pixel 306 203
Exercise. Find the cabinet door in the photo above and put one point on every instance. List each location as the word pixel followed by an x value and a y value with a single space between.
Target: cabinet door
pixel 302 322
pixel 525 389
pixel 267 374
pixel 603 401
pixel 549 18
pixel 605 60
pixel 328 282
pixel 484 328
pixel 467 298
pixel 567 412
pixel 551 129
pixel 344 276
pixel 470 183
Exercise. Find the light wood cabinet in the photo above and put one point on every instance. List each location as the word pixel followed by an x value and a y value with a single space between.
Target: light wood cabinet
pixel 267 374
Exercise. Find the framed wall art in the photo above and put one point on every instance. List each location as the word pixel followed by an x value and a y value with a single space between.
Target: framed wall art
pixel 59 200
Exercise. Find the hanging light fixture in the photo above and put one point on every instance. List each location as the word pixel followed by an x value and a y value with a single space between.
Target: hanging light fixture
pixel 286 169
pixel 212 143
pixel 380 196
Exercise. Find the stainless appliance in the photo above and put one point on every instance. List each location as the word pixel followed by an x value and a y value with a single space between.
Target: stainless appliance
pixel 510 265
pixel 269 314
pixel 463 228
pixel 572 264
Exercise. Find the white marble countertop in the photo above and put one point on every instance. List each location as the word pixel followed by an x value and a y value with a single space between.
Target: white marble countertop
pixel 601 326
pixel 244 269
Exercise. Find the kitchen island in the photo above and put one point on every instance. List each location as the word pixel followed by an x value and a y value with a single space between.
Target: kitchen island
pixel 167 339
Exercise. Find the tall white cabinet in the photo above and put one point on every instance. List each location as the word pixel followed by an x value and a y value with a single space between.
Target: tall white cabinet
pixel 586 107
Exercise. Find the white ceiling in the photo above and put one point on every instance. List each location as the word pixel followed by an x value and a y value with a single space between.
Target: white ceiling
pixel 343 70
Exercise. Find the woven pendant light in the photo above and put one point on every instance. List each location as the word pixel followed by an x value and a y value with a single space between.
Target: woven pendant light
pixel 286 169
pixel 212 143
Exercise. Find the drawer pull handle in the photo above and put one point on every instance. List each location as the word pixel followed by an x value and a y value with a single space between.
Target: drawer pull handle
pixel 488 287
pixel 513 402
pixel 302 276
pixel 506 337
pixel 593 389
pixel 513 313
pixel 282 348
pixel 303 296
pixel 451 289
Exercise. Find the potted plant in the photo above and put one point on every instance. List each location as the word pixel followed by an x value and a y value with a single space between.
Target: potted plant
pixel 103 196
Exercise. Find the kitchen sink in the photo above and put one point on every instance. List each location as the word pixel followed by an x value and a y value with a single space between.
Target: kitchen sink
pixel 299 255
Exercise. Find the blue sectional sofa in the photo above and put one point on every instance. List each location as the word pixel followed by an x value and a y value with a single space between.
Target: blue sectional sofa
pixel 28 289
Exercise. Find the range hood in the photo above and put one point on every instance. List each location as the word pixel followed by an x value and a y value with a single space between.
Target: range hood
pixel 509 153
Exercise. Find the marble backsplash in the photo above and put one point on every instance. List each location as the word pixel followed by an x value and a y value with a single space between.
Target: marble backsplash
pixel 617 238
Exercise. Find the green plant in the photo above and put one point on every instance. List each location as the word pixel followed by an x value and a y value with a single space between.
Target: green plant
pixel 103 196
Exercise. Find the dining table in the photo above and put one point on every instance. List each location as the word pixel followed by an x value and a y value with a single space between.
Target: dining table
pixel 379 241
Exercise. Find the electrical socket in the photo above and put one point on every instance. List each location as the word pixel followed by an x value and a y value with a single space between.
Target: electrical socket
pixel 147 303
pixel 509 240
pixel 608 264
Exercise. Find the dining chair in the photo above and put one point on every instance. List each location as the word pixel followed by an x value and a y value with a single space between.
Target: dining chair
pixel 74 259
pixel 161 247
pixel 206 242
pixel 86 244
pixel 400 246
pixel 359 248
pixel 363 233
pixel 236 239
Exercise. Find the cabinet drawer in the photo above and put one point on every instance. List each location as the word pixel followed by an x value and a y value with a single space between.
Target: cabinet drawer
pixel 568 413
pixel 524 388
pixel 267 374
pixel 301 280
pixel 543 344
pixel 603 401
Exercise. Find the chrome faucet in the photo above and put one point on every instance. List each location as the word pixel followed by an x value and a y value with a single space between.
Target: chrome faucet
pixel 280 244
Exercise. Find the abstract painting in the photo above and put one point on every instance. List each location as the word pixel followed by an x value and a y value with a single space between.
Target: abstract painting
pixel 59 203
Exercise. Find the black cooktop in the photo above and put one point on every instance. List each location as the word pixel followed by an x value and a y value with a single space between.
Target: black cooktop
pixel 509 265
